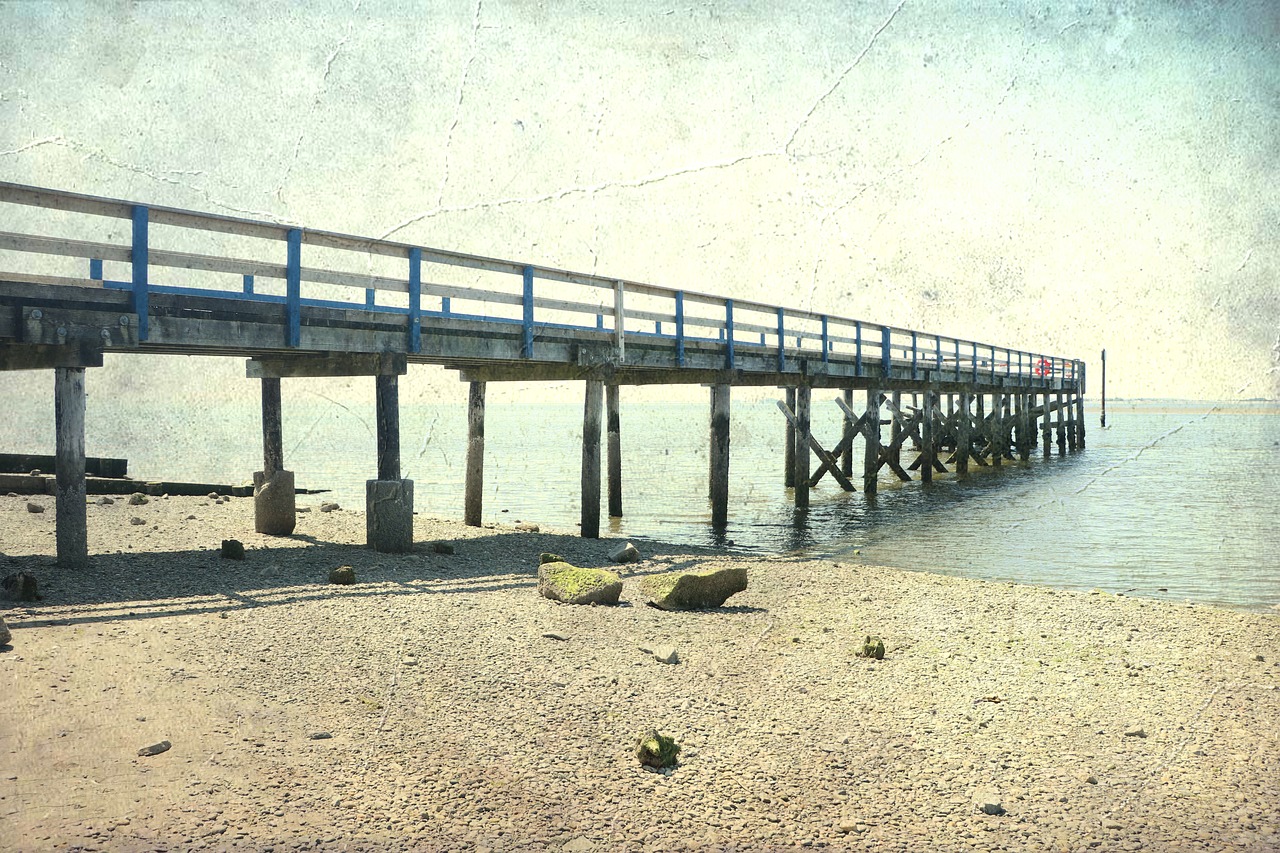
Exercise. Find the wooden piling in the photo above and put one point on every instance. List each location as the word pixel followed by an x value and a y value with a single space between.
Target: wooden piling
pixel 846 461
pixel 803 399
pixel 1103 422
pixel 72 532
pixel 996 429
pixel 719 473
pixel 473 502
pixel 871 456
pixel 1026 431
pixel 613 427
pixel 593 402
pixel 789 448
pixel 926 438
pixel 895 431
pixel 1062 428
pixel 963 437
pixel 1046 423
pixel 272 431
pixel 1080 420
pixel 388 406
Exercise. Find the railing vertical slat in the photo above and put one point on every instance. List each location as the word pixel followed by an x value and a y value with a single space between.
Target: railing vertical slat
pixel 415 300
pixel 526 344
pixel 885 366
pixel 915 372
pixel 937 354
pixel 95 269
pixel 138 257
pixel 857 344
pixel 826 341
pixel 957 343
pixel 620 319
pixel 730 360
pixel 975 362
pixel 248 284
pixel 782 346
pixel 679 328
pixel 445 305
pixel 293 288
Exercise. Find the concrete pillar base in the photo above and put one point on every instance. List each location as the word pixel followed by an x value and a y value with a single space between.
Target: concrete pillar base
pixel 388 513
pixel 274 505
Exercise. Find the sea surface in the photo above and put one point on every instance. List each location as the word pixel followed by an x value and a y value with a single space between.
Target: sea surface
pixel 1177 500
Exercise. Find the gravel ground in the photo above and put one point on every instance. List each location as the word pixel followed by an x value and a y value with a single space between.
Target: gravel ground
pixel 1086 721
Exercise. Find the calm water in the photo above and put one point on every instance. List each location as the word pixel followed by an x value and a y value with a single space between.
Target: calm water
pixel 1179 496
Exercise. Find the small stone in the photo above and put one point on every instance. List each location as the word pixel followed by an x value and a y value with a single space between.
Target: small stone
pixel 872 647
pixel 329 507
pixel 1259 658
pixel 213 496
pixel 32 506
pixel 304 509
pixel 579 845
pixel 554 635
pixel 135 521
pixel 656 750
pixel 409 661
pixel 847 826
pixel 1135 731
pixel 442 548
pixel 232 549
pixel 5 634
pixel 627 553
pixel 319 736
pixel 528 527
pixel 342 575
pixel 1087 778
pixel 105 501
pixel 989 805
pixel 666 654
pixel 866 599
pixel 547 557
pixel 21 586
pixel 155 748
pixel 138 499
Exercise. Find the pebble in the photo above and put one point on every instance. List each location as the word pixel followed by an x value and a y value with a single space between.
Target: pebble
pixel 32 506
pixel 666 654
pixel 554 635
pixel 135 521
pixel 527 527
pixel 329 507
pixel 105 501
pixel 155 748
pixel 138 499
pixel 232 549
pixel 319 736
pixel 442 548
pixel 1135 731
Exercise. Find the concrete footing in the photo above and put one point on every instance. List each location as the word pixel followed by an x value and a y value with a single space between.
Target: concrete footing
pixel 389 515
pixel 274 504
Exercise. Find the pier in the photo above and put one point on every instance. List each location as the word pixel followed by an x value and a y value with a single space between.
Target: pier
pixel 299 302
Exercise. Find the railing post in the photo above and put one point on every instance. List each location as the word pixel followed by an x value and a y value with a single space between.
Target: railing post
pixel 95 269
pixel 957 343
pixel 248 284
pixel 141 298
pixel 679 328
pixel 620 320
pixel 993 364
pixel 730 360
pixel 975 362
pixel 937 353
pixel 915 373
pixel 782 347
pixel 526 343
pixel 293 289
pixel 415 300
pixel 370 297
pixel 885 355
pixel 857 347
pixel 445 306
pixel 826 341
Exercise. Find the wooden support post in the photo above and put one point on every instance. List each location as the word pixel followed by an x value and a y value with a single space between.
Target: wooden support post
pixel 1062 431
pixel 591 459
pixel 1080 420
pixel 1103 422
pixel 613 426
pixel 1027 434
pixel 473 501
pixel 388 407
pixel 1071 422
pixel 803 399
pixel 996 429
pixel 871 458
pixel 719 455
pixel 846 461
pixel 963 439
pixel 1046 423
pixel 789 449
pixel 272 429
pixel 895 431
pixel 926 439
pixel 72 531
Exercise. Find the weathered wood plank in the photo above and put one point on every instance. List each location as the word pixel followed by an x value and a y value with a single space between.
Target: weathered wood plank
pixel 593 402
pixel 272 429
pixel 789 444
pixel 802 424
pixel 719 455
pixel 473 499
pixel 613 426
pixel 72 532
pixel 387 390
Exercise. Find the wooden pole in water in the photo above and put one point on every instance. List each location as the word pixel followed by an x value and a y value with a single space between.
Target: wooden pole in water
pixel 895 431
pixel 388 405
pixel 272 431
pixel 594 398
pixel 1080 421
pixel 926 439
pixel 803 396
pixel 613 427
pixel 963 440
pixel 871 457
pixel 846 463
pixel 789 449
pixel 72 531
pixel 1046 424
pixel 473 502
pixel 1062 430
pixel 983 432
pixel 1104 389
pixel 997 429
pixel 719 455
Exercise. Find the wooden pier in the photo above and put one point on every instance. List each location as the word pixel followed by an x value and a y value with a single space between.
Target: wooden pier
pixel 196 283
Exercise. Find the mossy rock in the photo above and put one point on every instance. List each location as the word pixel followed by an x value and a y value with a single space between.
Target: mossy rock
pixel 693 590
pixel 656 750
pixel 872 647
pixel 342 575
pixel 545 557
pixel 560 581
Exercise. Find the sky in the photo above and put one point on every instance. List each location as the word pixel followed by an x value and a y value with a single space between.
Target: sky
pixel 1060 177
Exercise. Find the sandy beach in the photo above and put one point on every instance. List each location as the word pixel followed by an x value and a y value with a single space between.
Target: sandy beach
pixel 426 707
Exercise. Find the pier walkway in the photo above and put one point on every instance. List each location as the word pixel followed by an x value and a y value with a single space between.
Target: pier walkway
pixel 81 276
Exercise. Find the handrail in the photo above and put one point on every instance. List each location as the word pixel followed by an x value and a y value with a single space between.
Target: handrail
pixel 873 347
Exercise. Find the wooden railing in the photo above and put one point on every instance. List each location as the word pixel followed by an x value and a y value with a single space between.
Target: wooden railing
pixel 247 262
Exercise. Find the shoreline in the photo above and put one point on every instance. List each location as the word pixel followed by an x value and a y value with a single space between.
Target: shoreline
pixel 456 723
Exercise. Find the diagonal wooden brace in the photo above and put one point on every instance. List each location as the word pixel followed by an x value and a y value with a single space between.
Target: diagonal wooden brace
pixel 828 462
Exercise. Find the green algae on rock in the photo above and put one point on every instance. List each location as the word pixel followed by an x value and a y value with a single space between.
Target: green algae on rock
pixel 693 590
pixel 872 647
pixel 656 750
pixel 560 581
